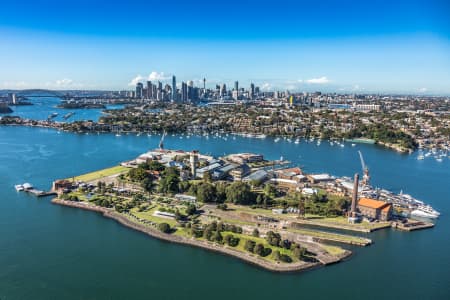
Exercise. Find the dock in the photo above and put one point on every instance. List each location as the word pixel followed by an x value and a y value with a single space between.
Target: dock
pixel 412 225
pixel 39 193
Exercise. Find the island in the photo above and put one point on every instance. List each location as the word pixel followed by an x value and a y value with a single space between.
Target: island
pixel 238 205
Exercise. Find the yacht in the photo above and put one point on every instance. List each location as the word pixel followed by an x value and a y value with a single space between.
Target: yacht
pixel 19 187
pixel 353 145
pixel 421 157
pixel 425 211
pixel 276 140
pixel 297 141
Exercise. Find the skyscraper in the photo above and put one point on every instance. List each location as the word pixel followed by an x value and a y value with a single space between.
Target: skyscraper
pixel 236 85
pixel 223 90
pixel 149 90
pixel 139 88
pixel 252 91
pixel 174 88
pixel 184 92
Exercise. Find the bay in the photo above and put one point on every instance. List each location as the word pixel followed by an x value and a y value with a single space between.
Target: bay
pixel 54 252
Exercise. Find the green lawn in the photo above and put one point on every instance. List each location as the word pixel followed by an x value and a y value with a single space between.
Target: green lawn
pixel 100 174
pixel 333 250
pixel 148 215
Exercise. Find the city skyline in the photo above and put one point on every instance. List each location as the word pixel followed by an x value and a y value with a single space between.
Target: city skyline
pixel 400 47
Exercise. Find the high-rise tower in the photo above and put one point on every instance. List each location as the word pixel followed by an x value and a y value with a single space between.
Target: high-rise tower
pixel 174 88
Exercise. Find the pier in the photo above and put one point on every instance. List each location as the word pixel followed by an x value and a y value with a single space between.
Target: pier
pixel 39 193
pixel 412 225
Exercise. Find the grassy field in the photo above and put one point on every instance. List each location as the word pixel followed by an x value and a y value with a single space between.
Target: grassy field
pixel 148 215
pixel 100 174
pixel 333 250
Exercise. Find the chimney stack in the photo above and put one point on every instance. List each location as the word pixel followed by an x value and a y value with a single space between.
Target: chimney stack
pixel 355 195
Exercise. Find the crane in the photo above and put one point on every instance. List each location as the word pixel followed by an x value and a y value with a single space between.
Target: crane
pixel 161 142
pixel 366 177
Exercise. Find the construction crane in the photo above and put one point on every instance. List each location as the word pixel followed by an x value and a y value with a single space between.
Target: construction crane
pixel 161 142
pixel 366 177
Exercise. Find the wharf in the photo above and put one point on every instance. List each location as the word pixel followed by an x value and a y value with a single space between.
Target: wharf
pixel 39 193
pixel 412 225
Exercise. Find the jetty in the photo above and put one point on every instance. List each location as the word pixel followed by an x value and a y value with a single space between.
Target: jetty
pixel 412 225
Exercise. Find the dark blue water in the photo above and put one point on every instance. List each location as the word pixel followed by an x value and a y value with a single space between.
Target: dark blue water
pixel 44 106
pixel 53 252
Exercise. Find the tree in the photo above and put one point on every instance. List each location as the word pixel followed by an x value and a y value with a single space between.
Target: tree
pixel 240 193
pixel 137 174
pixel 155 165
pixel 191 209
pixel 164 227
pixel 273 238
pixel 217 236
pixel 259 249
pixel 206 192
pixel 231 240
pixel 169 183
pixel 221 194
pixel 249 245
pixel 255 232
pixel 207 177
pixel 147 184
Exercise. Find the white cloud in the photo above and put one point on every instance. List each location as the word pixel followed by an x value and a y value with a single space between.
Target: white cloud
pixel 266 86
pixel 135 80
pixel 157 76
pixel 423 90
pixel 153 76
pixel 64 82
pixel 14 84
pixel 320 80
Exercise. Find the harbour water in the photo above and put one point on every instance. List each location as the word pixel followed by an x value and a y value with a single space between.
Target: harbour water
pixel 54 252
pixel 43 107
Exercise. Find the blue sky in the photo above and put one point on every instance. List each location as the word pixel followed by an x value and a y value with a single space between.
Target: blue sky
pixel 351 46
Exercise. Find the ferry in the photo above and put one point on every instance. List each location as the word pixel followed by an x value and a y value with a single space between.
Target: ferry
pixel 425 211
pixel 66 116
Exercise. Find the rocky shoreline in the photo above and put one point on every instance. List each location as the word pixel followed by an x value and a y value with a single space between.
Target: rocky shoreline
pixel 254 260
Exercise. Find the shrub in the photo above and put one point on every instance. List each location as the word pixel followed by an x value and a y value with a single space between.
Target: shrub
pixel 164 227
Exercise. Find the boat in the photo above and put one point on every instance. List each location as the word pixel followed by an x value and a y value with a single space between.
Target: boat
pixel 27 186
pixel 297 141
pixel 118 134
pixel 361 141
pixel 353 145
pixel 68 115
pixel 425 211
pixel 420 157
pixel 276 140
pixel 19 187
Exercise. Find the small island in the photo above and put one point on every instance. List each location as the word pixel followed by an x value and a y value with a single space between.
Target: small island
pixel 234 205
